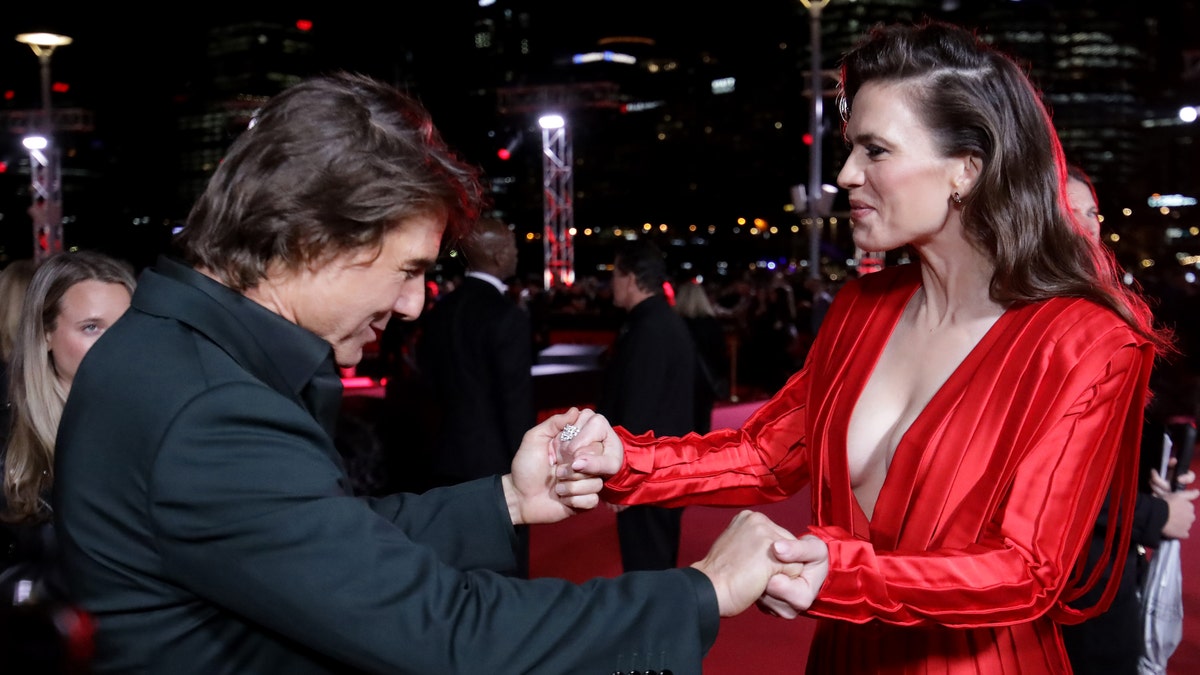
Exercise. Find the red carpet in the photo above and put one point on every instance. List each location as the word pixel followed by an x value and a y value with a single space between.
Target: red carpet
pixel 585 547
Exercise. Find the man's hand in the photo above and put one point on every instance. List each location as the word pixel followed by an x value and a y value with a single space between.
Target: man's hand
pixel 741 563
pixel 530 489
pixel 594 452
pixel 788 595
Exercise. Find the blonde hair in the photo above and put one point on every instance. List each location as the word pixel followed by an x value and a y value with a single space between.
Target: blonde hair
pixel 691 301
pixel 14 279
pixel 35 392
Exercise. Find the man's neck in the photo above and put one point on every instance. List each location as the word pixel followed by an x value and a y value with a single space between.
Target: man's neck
pixel 490 278
pixel 640 297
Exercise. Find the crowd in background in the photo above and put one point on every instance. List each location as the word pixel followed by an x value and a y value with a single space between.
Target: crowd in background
pixel 768 317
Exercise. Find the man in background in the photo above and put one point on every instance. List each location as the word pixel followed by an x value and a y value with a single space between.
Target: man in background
pixel 649 383
pixel 475 360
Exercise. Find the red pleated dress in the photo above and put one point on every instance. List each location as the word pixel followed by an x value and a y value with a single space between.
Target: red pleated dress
pixel 970 557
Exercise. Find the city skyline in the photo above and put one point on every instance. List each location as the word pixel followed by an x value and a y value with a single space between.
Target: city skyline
pixel 135 85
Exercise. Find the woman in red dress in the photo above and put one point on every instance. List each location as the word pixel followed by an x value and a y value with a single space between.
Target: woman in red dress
pixel 960 419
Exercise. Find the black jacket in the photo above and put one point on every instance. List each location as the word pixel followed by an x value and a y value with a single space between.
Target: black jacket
pixel 476 358
pixel 208 526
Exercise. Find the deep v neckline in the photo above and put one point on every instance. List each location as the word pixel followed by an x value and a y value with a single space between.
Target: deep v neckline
pixel 908 456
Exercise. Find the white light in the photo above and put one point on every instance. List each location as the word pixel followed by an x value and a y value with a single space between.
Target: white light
pixel 35 142
pixel 1188 113
pixel 551 122
pixel 1168 201
pixel 50 40
pixel 723 85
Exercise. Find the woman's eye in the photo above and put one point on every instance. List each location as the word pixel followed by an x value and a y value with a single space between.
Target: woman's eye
pixel 874 150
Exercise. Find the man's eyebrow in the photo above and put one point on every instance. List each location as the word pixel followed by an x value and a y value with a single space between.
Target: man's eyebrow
pixel 423 263
pixel 864 138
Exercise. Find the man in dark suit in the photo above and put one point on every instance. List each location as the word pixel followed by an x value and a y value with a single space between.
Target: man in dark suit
pixel 649 381
pixel 476 368
pixel 206 520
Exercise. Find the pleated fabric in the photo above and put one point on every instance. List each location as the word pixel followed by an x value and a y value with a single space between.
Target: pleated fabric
pixel 992 493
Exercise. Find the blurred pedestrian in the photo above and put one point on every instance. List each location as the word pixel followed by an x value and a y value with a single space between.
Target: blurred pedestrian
pixel 14 279
pixel 71 300
pixel 648 384
pixel 712 365
pixel 475 358
pixel 1113 642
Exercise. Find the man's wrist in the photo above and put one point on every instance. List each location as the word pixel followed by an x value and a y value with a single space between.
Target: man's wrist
pixel 512 499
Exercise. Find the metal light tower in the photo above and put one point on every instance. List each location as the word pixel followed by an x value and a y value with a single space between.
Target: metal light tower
pixel 558 189
pixel 814 167
pixel 44 156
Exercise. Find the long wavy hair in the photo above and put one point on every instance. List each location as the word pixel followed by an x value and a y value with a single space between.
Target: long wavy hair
pixel 14 279
pixel 976 101
pixel 35 392
pixel 327 167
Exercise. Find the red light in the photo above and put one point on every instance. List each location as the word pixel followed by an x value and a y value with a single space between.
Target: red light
pixel 60 87
pixel 304 25
pixel 3 166
pixel 504 154
pixel 807 138
pixel 669 292
pixel 9 94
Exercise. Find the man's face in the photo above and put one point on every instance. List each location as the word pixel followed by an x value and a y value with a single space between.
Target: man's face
pixel 623 287
pixel 508 257
pixel 1083 206
pixel 348 300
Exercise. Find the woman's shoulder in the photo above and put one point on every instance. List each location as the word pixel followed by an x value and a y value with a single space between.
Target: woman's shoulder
pixel 1075 324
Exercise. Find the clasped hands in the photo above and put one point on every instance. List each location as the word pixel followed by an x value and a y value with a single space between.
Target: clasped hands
pixel 754 561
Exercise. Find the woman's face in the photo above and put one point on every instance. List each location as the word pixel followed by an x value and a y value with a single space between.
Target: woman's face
pixel 87 309
pixel 1083 206
pixel 900 186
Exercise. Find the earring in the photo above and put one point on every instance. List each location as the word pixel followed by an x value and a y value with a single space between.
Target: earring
pixel 956 197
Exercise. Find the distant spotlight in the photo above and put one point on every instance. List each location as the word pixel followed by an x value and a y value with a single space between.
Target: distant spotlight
pixel 551 121
pixel 1188 113
pixel 35 142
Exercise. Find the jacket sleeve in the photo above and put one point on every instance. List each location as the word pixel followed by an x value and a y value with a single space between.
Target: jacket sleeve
pixel 514 375
pixel 763 461
pixel 252 513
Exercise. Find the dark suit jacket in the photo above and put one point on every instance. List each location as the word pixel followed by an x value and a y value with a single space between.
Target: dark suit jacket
pixel 650 374
pixel 208 526
pixel 476 359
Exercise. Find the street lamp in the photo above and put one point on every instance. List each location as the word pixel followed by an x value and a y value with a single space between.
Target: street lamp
pixel 814 166
pixel 558 187
pixel 44 176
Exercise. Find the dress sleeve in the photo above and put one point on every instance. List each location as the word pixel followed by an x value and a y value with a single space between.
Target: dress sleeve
pixel 763 461
pixel 1021 565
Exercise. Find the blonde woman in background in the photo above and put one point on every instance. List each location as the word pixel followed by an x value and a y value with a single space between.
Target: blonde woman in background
pixel 71 300
pixel 14 279
pixel 712 377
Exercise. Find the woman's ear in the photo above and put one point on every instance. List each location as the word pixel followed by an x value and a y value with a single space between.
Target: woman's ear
pixel 968 172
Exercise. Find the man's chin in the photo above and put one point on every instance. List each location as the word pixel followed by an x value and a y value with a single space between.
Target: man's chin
pixel 347 358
